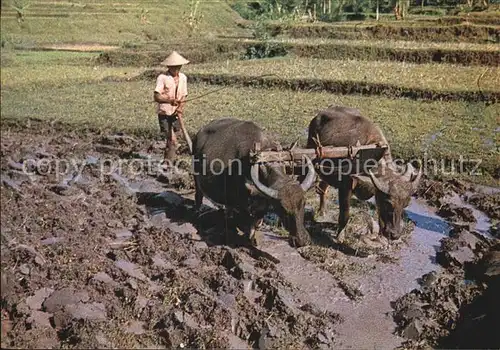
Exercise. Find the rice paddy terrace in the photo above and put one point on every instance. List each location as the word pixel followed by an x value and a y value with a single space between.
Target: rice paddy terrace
pixel 118 260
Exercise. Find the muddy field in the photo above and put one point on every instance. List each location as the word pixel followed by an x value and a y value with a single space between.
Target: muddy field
pixel 100 256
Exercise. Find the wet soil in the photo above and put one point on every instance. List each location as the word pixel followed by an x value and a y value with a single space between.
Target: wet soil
pixel 456 306
pixel 98 255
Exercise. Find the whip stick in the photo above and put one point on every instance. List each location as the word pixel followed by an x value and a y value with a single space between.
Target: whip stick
pixel 186 135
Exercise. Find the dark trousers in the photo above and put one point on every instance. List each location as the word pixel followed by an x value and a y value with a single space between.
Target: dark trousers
pixel 168 122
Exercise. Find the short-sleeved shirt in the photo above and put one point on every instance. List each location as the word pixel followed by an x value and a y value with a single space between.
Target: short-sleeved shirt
pixel 165 85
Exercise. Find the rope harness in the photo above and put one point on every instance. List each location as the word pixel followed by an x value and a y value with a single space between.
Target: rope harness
pixel 319 147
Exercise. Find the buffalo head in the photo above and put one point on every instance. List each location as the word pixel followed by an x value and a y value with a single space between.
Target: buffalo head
pixel 286 195
pixel 393 191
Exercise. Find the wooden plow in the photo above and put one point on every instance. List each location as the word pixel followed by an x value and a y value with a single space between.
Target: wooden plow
pixel 326 159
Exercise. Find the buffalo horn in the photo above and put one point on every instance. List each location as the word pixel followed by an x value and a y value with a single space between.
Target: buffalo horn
pixel 309 180
pixel 408 172
pixel 254 173
pixel 382 186
pixel 415 183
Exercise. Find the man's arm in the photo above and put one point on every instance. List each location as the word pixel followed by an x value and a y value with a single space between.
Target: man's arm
pixel 182 102
pixel 161 99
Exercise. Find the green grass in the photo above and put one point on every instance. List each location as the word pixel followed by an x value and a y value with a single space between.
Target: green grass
pixel 32 69
pixel 108 22
pixel 442 129
pixel 423 76
pixel 28 71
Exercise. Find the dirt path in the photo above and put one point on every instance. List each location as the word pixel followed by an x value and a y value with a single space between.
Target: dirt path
pixel 80 47
pixel 110 257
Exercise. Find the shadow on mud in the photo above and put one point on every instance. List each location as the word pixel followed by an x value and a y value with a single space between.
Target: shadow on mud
pixel 212 226
pixel 215 229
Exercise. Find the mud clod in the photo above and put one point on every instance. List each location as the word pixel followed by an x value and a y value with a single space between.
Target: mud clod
pixel 453 299
pixel 454 212
pixel 63 297
pixel 488 203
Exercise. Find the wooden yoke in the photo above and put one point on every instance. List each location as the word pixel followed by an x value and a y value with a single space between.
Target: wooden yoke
pixel 296 155
pixel 326 152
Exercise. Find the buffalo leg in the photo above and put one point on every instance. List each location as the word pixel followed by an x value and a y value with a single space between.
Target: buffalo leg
pixel 249 225
pixel 256 222
pixel 345 194
pixel 322 191
pixel 198 197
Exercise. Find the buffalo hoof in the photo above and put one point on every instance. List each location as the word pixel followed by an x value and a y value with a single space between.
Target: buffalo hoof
pixel 255 239
pixel 375 242
pixel 340 236
pixel 298 242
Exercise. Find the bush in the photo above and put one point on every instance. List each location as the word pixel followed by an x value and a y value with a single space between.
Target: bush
pixel 265 50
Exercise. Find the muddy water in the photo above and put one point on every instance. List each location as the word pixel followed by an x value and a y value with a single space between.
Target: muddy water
pixel 368 322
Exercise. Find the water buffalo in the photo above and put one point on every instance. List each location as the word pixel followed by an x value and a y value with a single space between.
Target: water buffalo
pixel 224 174
pixel 391 184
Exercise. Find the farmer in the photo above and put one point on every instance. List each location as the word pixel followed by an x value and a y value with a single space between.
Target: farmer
pixel 170 94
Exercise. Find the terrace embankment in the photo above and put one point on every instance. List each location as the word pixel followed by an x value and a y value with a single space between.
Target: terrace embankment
pixel 223 50
pixel 447 33
pixel 491 19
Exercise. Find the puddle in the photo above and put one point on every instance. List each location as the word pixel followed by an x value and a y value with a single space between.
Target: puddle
pixel 369 321
pixel 483 223
pixel 425 219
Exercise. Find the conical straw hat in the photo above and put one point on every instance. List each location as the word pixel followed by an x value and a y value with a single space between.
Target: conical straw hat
pixel 174 59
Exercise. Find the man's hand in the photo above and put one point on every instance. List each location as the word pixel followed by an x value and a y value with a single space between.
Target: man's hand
pixel 181 104
pixel 163 99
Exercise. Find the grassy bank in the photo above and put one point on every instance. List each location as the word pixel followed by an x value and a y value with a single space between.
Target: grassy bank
pixel 419 31
pixel 395 44
pixel 109 22
pixel 439 77
pixel 33 70
pixel 25 67
pixel 28 71
pixel 366 50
